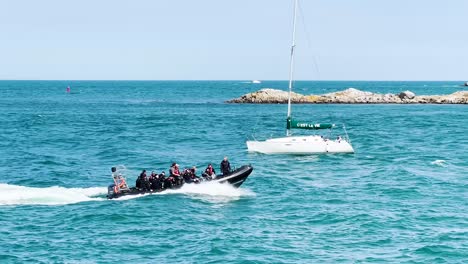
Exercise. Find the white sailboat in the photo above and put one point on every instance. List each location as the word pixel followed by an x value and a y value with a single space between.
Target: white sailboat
pixel 311 144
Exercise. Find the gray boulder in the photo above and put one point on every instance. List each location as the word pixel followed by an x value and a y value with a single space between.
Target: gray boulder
pixel 406 95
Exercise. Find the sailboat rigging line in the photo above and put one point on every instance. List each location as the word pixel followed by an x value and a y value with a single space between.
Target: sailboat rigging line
pixel 346 133
pixel 255 128
pixel 309 42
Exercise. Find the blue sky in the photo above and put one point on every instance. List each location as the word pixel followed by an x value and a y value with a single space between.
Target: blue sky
pixel 233 39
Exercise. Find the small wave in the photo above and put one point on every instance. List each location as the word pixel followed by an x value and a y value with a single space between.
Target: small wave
pixel 441 163
pixel 307 158
pixel 22 195
pixel 144 101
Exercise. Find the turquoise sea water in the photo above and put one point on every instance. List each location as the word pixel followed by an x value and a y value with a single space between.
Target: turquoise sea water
pixel 401 198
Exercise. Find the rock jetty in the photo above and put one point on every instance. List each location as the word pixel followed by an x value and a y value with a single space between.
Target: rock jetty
pixel 350 96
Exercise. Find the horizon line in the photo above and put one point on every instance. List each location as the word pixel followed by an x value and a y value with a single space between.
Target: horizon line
pixel 220 80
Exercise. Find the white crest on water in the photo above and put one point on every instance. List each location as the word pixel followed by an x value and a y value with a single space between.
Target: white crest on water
pixel 55 195
pixel 212 192
pixel 206 191
pixel 441 163
pixel 22 195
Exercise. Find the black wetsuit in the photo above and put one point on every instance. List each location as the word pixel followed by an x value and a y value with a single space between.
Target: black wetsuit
pixel 155 182
pixel 225 167
pixel 209 173
pixel 144 183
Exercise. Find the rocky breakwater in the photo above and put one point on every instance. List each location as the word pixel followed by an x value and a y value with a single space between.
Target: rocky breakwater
pixel 350 96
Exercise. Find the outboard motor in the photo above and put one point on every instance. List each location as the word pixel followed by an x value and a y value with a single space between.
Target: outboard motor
pixel 110 191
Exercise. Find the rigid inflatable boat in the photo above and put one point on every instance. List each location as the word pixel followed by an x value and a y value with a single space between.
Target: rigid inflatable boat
pixel 235 178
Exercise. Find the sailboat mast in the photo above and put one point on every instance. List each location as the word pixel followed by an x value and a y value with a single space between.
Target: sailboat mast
pixel 291 65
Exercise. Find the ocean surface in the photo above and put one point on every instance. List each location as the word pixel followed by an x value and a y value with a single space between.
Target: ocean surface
pixel 401 198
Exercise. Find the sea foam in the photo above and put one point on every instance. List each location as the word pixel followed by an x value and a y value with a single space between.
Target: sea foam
pixel 441 163
pixel 212 192
pixel 206 191
pixel 22 195
pixel 55 195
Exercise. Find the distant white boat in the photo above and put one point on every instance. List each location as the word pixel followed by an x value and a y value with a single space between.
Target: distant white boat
pixel 256 81
pixel 313 144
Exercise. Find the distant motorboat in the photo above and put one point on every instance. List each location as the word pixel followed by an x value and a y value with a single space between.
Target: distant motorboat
pixel 256 81
pixel 466 84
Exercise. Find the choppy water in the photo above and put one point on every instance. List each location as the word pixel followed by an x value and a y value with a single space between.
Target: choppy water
pixel 401 198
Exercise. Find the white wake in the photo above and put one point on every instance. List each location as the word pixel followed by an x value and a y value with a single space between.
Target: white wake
pixel 207 191
pixel 22 195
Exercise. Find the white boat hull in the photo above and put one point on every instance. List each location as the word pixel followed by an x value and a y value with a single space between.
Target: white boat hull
pixel 300 145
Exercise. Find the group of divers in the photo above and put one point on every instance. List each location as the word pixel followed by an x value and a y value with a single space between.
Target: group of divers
pixel 157 182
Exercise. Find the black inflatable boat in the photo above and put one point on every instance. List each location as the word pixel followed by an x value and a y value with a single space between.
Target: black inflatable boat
pixel 235 178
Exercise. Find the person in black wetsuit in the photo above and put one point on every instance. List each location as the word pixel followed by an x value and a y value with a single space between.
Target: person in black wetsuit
pixel 186 175
pixel 138 181
pixel 193 175
pixel 160 182
pixel 142 181
pixel 225 166
pixel 153 180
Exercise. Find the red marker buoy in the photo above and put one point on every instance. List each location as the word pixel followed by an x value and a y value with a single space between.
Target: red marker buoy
pixel 68 89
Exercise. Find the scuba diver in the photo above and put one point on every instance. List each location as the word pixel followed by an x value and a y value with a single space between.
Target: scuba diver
pixel 190 175
pixel 142 181
pixel 175 176
pixel 193 173
pixel 154 181
pixel 186 175
pixel 209 173
pixel 225 166
pixel 152 175
pixel 174 170
pixel 160 182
